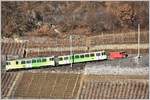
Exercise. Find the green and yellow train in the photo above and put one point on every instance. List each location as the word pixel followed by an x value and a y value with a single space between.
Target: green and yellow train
pixel 55 61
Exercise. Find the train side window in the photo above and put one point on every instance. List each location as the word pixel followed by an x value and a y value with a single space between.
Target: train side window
pixel 43 60
pixel 97 54
pixel 17 62
pixel 65 58
pixel 92 55
pixel 87 55
pixel 76 56
pixel 60 59
pixel 103 53
pixel 22 62
pixel 33 61
pixel 39 60
pixel 51 59
pixel 28 61
pixel 7 63
pixel 82 56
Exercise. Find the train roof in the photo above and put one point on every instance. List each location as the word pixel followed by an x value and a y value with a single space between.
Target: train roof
pixel 29 58
pixel 82 53
pixel 53 56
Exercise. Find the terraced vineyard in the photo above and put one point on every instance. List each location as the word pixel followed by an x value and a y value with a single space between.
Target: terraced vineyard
pixel 7 80
pixel 13 48
pixel 114 90
pixel 121 38
pixel 46 46
pixel 82 40
pixel 48 85
pixel 71 86
pixel 114 87
pixel 43 42
pixel 31 53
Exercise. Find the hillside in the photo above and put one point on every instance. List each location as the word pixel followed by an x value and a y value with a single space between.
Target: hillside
pixel 84 17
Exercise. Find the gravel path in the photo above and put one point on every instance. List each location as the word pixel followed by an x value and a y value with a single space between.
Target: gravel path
pixel 127 66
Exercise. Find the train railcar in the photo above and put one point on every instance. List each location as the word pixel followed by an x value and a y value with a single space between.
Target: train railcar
pixel 93 56
pixel 117 55
pixel 30 63
pixel 55 61
pixel 64 60
pixel 83 57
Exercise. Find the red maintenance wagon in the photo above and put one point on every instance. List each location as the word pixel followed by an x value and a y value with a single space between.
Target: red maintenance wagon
pixel 117 55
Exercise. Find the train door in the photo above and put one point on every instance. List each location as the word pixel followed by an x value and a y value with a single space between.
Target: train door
pixel 66 60
pixel 28 64
pixel 56 60
pixel 98 56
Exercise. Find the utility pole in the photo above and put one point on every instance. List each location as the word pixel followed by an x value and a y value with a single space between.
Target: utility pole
pixel 138 55
pixel 38 51
pixel 138 41
pixel 56 45
pixel 103 38
pixel 71 50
